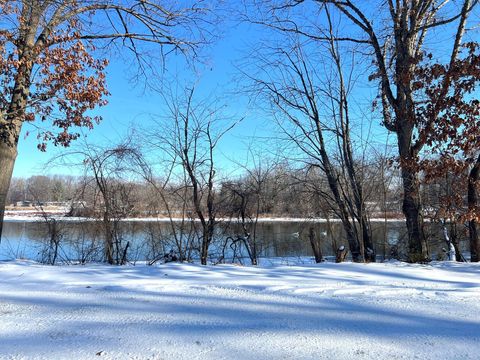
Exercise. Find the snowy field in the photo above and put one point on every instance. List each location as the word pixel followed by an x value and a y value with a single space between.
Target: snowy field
pixel 182 311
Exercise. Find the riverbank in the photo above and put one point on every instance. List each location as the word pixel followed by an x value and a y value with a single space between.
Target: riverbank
pixel 35 215
pixel 186 311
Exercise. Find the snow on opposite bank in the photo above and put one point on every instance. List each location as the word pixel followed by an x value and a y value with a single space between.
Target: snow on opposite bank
pixel 184 311
pixel 36 216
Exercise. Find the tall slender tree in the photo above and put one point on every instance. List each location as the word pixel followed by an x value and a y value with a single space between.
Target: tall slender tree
pixel 189 135
pixel 311 107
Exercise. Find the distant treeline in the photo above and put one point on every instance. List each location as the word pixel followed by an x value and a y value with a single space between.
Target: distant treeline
pixel 284 191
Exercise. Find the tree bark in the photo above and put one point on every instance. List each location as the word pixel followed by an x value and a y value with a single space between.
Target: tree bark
pixel 366 245
pixel 204 253
pixel 108 238
pixel 370 253
pixel 405 120
pixel 472 199
pixel 208 232
pixel 8 154
pixel 315 243
pixel 412 209
pixel 332 179
pixel 10 128
pixel 454 239
pixel 412 204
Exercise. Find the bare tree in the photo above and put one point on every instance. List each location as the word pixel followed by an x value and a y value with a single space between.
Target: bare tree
pixel 312 109
pixel 55 232
pixel 172 193
pixel 190 141
pixel 109 173
pixel 246 199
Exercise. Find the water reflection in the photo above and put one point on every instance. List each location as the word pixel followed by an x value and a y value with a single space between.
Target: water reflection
pixel 82 241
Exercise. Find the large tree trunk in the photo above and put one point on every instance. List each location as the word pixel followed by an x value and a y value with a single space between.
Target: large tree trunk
pixel 412 209
pixel 412 205
pixel 8 154
pixel 405 124
pixel 10 128
pixel 472 198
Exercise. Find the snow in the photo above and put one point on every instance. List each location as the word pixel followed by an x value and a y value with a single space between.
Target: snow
pixel 274 311
pixel 33 215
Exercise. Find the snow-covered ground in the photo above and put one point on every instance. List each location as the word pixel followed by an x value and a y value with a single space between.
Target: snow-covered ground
pixel 184 311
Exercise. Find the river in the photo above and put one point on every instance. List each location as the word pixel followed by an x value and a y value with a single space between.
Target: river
pixel 82 240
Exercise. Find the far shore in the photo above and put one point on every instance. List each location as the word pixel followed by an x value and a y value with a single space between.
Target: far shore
pixel 35 216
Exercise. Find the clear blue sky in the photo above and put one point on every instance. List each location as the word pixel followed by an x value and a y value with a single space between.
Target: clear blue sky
pixel 130 103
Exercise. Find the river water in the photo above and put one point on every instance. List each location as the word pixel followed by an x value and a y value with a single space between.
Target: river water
pixel 150 239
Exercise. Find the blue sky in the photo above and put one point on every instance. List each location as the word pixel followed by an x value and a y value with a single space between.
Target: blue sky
pixel 130 104
pixel 217 77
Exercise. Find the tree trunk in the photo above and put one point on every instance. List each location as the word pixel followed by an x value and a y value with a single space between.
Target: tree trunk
pixel 474 241
pixel 472 199
pixel 8 154
pixel 204 251
pixel 333 183
pixel 405 120
pixel 315 242
pixel 370 254
pixel 353 241
pixel 454 239
pixel 412 209
pixel 208 231
pixel 254 257
pixel 412 205
pixel 10 128
pixel 108 239
pixel 54 239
